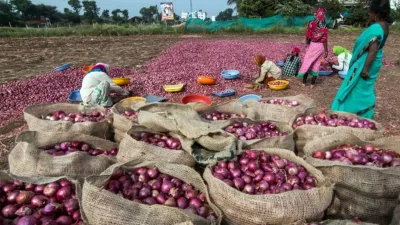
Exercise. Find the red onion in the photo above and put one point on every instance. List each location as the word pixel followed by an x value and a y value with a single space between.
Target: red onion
pixel 283 102
pixel 27 220
pixel 243 131
pixel 24 210
pixel 156 140
pixel 9 211
pixel 221 116
pixel 64 193
pixel 74 146
pixel 25 197
pixel 39 201
pixel 64 220
pixel 71 205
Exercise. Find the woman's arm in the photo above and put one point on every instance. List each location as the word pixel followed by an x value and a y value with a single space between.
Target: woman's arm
pixel 372 50
pixel 326 49
pixel 341 63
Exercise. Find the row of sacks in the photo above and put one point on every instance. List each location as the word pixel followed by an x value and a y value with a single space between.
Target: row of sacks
pixel 302 122
pixel 347 191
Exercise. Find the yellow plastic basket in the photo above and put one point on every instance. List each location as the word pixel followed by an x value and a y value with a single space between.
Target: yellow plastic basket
pixel 121 81
pixel 278 85
pixel 173 88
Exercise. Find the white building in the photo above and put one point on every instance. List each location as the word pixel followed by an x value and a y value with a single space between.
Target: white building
pixel 194 15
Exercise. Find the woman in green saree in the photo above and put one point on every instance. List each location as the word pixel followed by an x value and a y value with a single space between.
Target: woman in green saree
pixel 356 94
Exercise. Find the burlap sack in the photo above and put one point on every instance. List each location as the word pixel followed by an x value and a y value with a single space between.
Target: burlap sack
pixel 118 135
pixel 130 149
pixel 33 113
pixel 340 222
pixel 6 176
pixel 396 214
pixel 307 133
pixel 232 107
pixel 28 159
pixel 120 121
pixel 348 203
pixel 289 207
pixel 366 192
pixel 210 142
pixel 261 111
pixel 284 142
pixel 102 207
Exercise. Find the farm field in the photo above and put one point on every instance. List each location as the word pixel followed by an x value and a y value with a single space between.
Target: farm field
pixel 24 58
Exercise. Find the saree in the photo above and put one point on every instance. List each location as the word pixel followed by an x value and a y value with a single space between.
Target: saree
pixel 357 95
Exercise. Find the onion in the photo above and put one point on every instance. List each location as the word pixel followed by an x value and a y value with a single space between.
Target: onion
pixel 182 202
pixel 64 220
pixel 64 193
pixel 27 220
pixel 71 205
pixel 76 216
pixel 170 202
pixel 196 203
pixel 149 201
pixel 9 211
pixel 166 187
pixel 50 209
pixel 25 197
pixel 39 201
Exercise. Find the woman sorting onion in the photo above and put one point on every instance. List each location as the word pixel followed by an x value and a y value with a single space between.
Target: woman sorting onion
pixel 343 59
pixel 317 42
pixel 268 72
pixel 356 94
pixel 97 86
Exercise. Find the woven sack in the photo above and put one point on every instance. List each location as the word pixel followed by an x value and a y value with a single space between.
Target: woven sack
pixel 33 113
pixel 263 111
pixel 130 149
pixel 285 208
pixel 118 135
pixel 396 214
pixel 284 142
pixel 6 176
pixel 102 207
pixel 120 122
pixel 338 222
pixel 366 192
pixel 307 133
pixel 29 159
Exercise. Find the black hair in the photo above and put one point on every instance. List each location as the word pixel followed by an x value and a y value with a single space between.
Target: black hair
pixel 292 57
pixel 382 9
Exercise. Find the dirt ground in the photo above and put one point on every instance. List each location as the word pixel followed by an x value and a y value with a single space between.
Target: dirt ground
pixel 22 58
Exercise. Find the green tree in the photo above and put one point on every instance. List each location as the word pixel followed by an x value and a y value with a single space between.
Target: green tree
pixel 257 8
pixel 47 11
pixel 225 15
pixel 125 14
pixel 234 2
pixel 71 16
pixel 333 7
pixel 105 14
pixel 149 13
pixel 22 6
pixel 293 8
pixel 75 5
pixel 7 16
pixel 91 11
pixel 358 15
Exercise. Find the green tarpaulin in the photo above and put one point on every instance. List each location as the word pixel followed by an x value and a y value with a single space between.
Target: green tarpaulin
pixel 254 24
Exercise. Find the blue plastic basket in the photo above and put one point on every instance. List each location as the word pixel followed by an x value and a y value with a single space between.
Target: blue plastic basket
pixel 75 96
pixel 325 73
pixel 281 63
pixel 230 74
pixel 342 74
pixel 250 97
pixel 226 93
pixel 63 67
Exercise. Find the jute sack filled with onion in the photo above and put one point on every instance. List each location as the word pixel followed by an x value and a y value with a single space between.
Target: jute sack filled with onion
pixel 366 173
pixel 340 222
pixel 30 157
pixel 95 124
pixel 303 196
pixel 261 134
pixel 39 200
pixel 103 203
pixel 281 109
pixel 118 135
pixel 314 124
pixel 222 113
pixel 140 142
pixel 124 116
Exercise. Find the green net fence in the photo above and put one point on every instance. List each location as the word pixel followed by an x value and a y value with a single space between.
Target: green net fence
pixel 250 23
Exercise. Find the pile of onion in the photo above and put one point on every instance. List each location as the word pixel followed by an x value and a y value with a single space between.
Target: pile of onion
pixel 130 114
pixel 79 117
pixel 333 120
pixel 162 141
pixel 222 116
pixel 367 155
pixel 256 172
pixel 29 204
pixel 65 148
pixel 245 131
pixel 149 186
pixel 281 102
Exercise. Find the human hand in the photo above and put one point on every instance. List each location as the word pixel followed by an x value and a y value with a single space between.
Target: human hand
pixel 325 54
pixel 364 74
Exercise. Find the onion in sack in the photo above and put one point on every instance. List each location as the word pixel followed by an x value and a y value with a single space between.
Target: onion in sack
pixel 53 204
pixel 367 155
pixel 333 120
pixel 149 186
pixel 94 116
pixel 245 131
pixel 159 140
pixel 65 148
pixel 281 102
pixel 256 172
pixel 222 116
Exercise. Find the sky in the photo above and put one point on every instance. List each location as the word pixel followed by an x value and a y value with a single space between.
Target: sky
pixel 212 7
